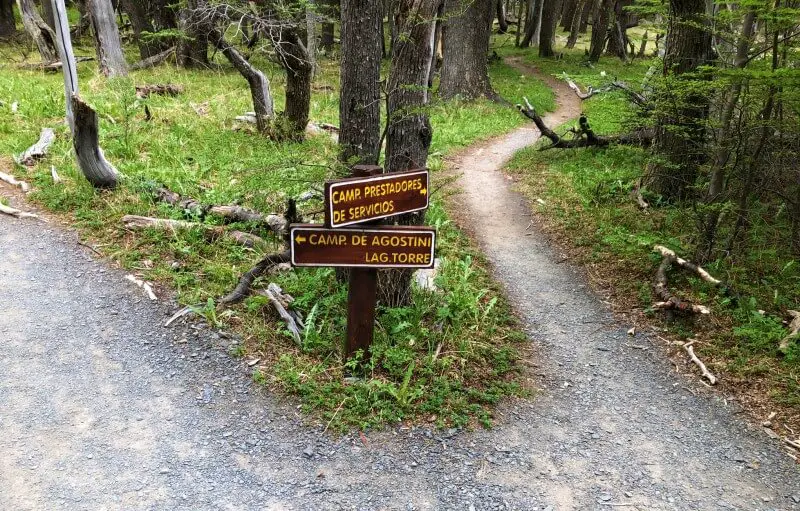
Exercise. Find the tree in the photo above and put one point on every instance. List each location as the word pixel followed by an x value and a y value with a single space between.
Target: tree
pixel 193 47
pixel 680 140
pixel 600 20
pixel 465 39
pixel 409 130
pixel 42 34
pixel 139 14
pixel 574 23
pixel 7 25
pixel 360 71
pixel 550 13
pixel 533 22
pixel 502 21
pixel 110 58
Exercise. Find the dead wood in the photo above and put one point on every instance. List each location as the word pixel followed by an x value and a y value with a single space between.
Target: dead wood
pixel 154 60
pixel 643 204
pixel 584 136
pixel 794 332
pixel 8 178
pixel 54 174
pixel 635 97
pixel 148 289
pixel 212 232
pixel 86 141
pixel 159 89
pixel 50 66
pixel 703 369
pixel 8 210
pixel 280 301
pixel 669 300
pixel 243 287
pixel 38 150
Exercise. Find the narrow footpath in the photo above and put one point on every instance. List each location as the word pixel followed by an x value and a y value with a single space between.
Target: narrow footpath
pixel 101 407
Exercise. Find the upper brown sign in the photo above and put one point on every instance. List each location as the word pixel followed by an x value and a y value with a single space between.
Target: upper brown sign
pixel 362 199
pixel 373 247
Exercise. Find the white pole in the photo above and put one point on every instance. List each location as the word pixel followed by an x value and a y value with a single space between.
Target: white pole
pixel 64 44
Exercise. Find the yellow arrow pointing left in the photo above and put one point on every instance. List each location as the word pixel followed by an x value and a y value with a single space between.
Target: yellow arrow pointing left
pixel 300 239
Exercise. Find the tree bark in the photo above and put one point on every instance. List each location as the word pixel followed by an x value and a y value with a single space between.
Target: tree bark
pixel 570 7
pixel 86 141
pixel 618 41
pixel 360 89
pixel 600 20
pixel 409 130
pixel 681 136
pixel 110 58
pixel 294 59
pixel 140 21
pixel 533 24
pixel 502 22
pixel 192 50
pixel 465 38
pixel 575 23
pixel 547 36
pixel 42 34
pixel 326 36
pixel 8 27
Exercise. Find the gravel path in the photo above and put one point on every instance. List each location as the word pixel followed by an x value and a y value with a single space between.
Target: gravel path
pixel 103 408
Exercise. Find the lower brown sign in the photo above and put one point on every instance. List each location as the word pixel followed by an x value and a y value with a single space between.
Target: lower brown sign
pixel 374 247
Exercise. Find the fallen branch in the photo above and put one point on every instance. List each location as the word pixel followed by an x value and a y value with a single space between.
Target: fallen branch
pixel 683 263
pixel 591 91
pixel 50 66
pixel 703 369
pixel 639 198
pixel 8 178
pixel 212 232
pixel 276 223
pixel 243 287
pixel 153 61
pixel 160 89
pixel 148 289
pixel 794 332
pixel 670 301
pixel 584 136
pixel 54 174
pixel 280 302
pixel 8 210
pixel 38 150
pixel 183 312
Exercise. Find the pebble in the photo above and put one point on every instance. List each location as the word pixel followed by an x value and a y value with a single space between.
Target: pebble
pixel 309 452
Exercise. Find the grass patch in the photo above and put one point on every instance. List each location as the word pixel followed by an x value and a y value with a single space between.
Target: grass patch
pixel 447 359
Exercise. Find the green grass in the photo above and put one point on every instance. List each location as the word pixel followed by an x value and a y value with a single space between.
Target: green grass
pixel 588 204
pixel 446 359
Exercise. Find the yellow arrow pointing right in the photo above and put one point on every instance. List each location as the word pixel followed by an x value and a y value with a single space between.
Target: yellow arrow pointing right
pixel 424 191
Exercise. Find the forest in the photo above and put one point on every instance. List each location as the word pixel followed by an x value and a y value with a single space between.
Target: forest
pixel 196 132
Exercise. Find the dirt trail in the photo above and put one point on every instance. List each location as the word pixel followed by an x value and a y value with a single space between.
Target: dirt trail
pixel 103 408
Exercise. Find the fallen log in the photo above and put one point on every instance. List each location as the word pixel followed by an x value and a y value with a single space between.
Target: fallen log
pixel 8 178
pixel 38 150
pixel 794 333
pixel 86 141
pixel 50 66
pixel 668 300
pixel 280 302
pixel 703 369
pixel 212 232
pixel 159 89
pixel 154 60
pixel 243 287
pixel 8 210
pixel 584 136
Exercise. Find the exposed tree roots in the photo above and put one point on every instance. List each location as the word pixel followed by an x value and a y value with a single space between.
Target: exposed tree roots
pixel 583 136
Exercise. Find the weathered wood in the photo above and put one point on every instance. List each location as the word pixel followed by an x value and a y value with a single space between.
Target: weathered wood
pixel 153 60
pixel 64 45
pixel 37 28
pixel 85 139
pixel 51 66
pixel 670 301
pixel 159 89
pixel 8 210
pixel 280 302
pixel 110 58
pixel 38 150
pixel 794 332
pixel 276 223
pixel 361 304
pixel 148 289
pixel 212 232
pixel 246 281
pixel 703 369
pixel 8 178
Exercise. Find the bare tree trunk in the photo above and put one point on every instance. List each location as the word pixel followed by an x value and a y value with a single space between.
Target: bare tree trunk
pixel 465 38
pixel 68 67
pixel 575 23
pixel 193 48
pixel 600 21
pixel 533 24
pixel 588 7
pixel 568 10
pixel 547 36
pixel 86 141
pixel 41 33
pixel 436 56
pixel 140 21
pixel 502 22
pixel 409 130
pixel 360 69
pixel 293 56
pixel 47 15
pixel 311 36
pixel 618 41
pixel 8 27
pixel 110 58
pixel 681 135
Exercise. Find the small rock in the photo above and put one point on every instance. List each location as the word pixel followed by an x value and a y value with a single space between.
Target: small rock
pixel 164 471
pixel 605 497
pixel 309 452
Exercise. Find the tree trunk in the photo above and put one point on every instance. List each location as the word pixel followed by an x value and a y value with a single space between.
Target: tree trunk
pixel 409 130
pixel 588 6
pixel 110 58
pixel 98 171
pixel 570 7
pixel 140 21
pixel 547 36
pixel 41 33
pixel 47 15
pixel 681 138
pixel 193 48
pixel 465 38
pixel 618 41
pixel 294 59
pixel 360 89
pixel 65 54
pixel 575 23
pixel 600 19
pixel 502 22
pixel 436 56
pixel 311 36
pixel 533 24
pixel 8 27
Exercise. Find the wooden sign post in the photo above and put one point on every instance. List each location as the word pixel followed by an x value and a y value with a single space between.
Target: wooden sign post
pixel 363 199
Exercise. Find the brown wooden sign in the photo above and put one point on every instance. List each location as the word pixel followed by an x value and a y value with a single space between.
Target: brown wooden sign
pixel 373 247
pixel 362 199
